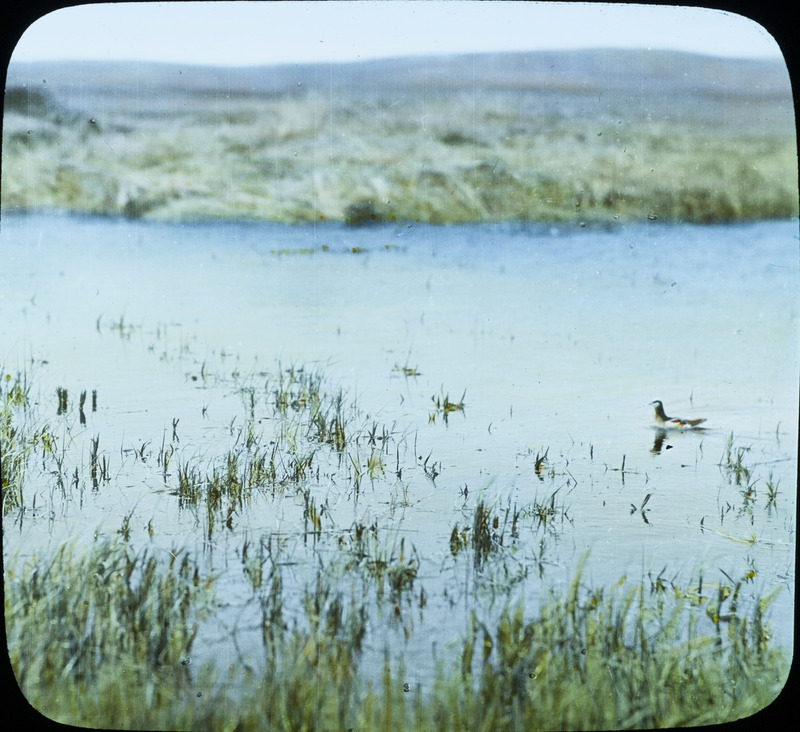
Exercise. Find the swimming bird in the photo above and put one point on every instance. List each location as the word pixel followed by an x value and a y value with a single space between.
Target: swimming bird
pixel 671 423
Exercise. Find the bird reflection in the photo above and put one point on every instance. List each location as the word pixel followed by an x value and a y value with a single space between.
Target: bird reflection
pixel 658 442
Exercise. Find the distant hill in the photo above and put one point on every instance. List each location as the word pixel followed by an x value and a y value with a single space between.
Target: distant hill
pixel 660 75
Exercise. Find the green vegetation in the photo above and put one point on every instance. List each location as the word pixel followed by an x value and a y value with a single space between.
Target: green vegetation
pixel 102 632
pixel 84 612
pixel 442 405
pixel 120 631
pixel 15 439
pixel 603 137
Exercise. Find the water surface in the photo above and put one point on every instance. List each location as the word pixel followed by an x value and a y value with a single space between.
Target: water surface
pixel 557 338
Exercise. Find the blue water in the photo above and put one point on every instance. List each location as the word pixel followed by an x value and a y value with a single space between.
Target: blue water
pixel 558 337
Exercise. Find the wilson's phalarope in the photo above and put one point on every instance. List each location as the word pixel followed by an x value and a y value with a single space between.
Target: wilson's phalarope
pixel 671 423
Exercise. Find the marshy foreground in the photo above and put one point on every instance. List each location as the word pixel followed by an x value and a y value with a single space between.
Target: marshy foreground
pixel 102 629
pixel 423 520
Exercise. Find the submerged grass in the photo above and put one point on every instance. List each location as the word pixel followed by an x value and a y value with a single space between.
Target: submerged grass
pixel 443 406
pixel 121 624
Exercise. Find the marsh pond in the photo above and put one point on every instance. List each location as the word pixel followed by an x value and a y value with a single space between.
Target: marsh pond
pixel 374 469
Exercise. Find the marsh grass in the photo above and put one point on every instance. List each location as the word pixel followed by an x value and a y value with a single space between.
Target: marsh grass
pixel 88 616
pixel 540 462
pixel 484 533
pixel 772 493
pixel 61 393
pixel 443 406
pixel 295 438
pixel 616 657
pixel 740 473
pixel 733 461
pixel 548 512
pixel 410 372
pixel 16 440
pixel 487 536
pixel 530 150
pixel 121 624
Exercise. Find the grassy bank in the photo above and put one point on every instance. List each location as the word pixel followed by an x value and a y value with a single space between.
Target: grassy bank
pixel 578 138
pixel 601 658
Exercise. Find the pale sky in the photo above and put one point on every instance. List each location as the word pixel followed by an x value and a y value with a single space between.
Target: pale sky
pixel 256 33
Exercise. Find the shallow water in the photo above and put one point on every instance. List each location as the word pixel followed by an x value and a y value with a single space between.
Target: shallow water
pixel 558 338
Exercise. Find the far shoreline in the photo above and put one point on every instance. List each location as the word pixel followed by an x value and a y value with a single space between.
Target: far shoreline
pixel 560 226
